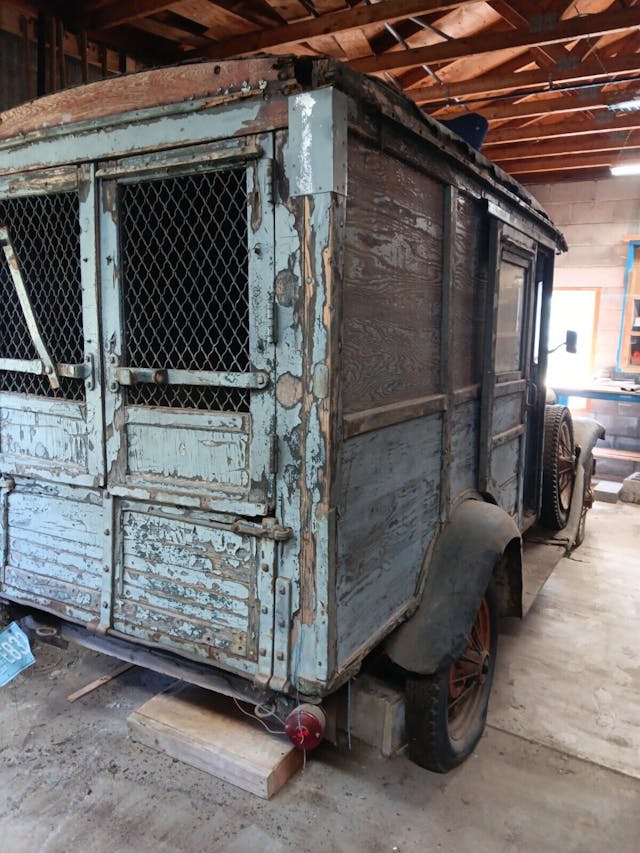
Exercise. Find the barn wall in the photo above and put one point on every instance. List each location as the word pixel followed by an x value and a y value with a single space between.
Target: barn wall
pixel 595 217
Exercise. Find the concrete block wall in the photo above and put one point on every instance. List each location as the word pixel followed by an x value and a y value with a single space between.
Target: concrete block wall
pixel 597 218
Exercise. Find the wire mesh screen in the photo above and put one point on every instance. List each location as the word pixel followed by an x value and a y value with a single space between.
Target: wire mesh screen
pixel 45 235
pixel 185 277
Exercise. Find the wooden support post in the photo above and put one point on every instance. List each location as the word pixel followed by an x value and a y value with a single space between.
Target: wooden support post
pixel 53 76
pixel 62 69
pixel 84 55
pixel 41 86
pixel 26 58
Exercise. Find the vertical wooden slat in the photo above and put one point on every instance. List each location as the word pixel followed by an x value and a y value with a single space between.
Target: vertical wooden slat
pixel 447 343
pixel 53 76
pixel 84 55
pixel 41 86
pixel 26 58
pixel 104 69
pixel 62 70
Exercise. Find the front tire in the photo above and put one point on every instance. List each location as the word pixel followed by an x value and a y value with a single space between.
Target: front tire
pixel 446 712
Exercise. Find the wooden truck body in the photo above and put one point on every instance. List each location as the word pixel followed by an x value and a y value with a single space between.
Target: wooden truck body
pixel 266 328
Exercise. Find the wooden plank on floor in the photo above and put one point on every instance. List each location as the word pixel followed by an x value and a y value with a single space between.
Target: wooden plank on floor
pixel 208 731
pixel 98 682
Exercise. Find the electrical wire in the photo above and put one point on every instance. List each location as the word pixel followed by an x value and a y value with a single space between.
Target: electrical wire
pixel 254 717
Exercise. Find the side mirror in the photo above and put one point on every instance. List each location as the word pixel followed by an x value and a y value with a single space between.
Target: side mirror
pixel 571 342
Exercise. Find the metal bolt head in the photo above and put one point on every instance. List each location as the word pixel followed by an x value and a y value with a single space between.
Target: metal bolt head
pixel 280 656
pixel 265 567
pixel 263 653
pixel 282 591
pixel 280 623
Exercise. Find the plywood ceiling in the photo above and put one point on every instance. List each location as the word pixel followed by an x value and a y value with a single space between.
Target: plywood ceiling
pixel 547 75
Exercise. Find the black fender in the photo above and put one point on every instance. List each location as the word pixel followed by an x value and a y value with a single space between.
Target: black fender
pixel 479 541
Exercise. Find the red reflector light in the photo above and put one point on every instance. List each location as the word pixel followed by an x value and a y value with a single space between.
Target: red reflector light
pixel 305 726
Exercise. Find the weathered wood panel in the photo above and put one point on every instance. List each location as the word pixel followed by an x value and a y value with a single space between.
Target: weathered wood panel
pixel 185 584
pixel 392 281
pixel 465 430
pixel 505 465
pixel 206 455
pixel 387 516
pixel 44 436
pixel 507 412
pixel 54 551
pixel 469 285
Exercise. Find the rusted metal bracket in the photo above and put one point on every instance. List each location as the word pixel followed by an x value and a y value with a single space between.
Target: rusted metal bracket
pixel 37 368
pixel 27 309
pixel 257 379
pixel 270 529
pixel 281 635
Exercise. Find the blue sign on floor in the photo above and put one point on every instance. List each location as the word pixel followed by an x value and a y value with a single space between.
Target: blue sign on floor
pixel 15 653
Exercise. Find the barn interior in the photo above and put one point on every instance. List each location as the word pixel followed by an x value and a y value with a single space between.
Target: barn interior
pixel 557 87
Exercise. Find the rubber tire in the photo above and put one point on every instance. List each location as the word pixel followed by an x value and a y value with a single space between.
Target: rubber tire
pixel 583 518
pixel 427 699
pixel 553 514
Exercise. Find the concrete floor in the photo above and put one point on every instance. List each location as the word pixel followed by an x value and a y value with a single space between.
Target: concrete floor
pixel 557 770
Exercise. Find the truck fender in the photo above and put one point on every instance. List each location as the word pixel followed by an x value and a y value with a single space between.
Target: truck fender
pixel 479 540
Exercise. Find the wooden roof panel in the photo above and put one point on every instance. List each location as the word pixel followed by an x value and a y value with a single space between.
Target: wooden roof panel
pixel 532 67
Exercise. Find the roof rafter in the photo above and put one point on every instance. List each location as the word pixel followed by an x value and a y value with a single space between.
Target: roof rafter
pixel 587 25
pixel 323 25
pixel 489 84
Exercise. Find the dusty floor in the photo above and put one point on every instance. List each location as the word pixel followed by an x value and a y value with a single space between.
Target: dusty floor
pixel 566 709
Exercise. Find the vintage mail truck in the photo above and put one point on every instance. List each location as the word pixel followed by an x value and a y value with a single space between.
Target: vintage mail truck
pixel 272 389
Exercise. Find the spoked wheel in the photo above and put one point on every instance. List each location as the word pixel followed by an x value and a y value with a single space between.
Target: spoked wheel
pixel 558 469
pixel 446 712
pixel 587 503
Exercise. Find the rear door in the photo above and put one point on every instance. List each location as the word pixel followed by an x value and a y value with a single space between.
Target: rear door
pixel 187 280
pixel 50 401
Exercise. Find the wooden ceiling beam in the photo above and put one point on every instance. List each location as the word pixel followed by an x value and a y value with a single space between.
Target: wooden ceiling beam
pixel 601 124
pixel 580 101
pixel 574 145
pixel 587 25
pixel 491 84
pixel 123 12
pixel 560 163
pixel 332 22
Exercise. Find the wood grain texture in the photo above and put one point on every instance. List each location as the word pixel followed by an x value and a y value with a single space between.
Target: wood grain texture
pixel 468 292
pixel 209 732
pixel 388 514
pixel 392 281
pixel 465 428
pixel 140 91
pixel 183 582
pixel 54 551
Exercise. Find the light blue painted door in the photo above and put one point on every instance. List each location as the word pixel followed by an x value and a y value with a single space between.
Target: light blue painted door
pixel 187 278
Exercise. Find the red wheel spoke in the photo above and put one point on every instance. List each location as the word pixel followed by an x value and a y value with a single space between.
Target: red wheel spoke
pixel 465 692
pixel 475 674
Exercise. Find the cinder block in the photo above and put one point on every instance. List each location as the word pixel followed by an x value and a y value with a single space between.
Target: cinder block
pixel 377 714
pixel 607 491
pixel 631 489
